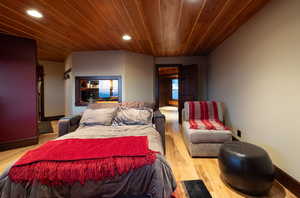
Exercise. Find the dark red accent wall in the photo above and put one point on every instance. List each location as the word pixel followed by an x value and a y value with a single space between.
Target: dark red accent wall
pixel 18 101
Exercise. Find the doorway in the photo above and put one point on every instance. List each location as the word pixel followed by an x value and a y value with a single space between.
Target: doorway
pixel 168 86
pixel 175 84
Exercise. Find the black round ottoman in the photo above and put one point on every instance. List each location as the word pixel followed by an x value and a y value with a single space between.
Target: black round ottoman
pixel 246 167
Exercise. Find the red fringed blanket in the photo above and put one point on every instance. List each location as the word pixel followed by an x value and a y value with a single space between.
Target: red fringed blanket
pixel 204 115
pixel 78 160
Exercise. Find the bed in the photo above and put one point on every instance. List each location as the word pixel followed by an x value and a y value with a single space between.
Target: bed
pixel 154 180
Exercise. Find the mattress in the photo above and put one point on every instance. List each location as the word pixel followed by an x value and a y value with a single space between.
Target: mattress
pixel 155 180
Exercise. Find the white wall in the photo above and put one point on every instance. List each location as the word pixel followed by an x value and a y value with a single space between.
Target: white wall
pixel 136 71
pixel 53 88
pixel 201 61
pixel 96 63
pixel 256 72
pixel 139 77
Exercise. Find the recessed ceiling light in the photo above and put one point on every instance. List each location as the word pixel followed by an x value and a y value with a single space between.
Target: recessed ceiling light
pixel 34 13
pixel 126 37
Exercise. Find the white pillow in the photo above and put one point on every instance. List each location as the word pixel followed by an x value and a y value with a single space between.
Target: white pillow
pixel 132 116
pixel 101 116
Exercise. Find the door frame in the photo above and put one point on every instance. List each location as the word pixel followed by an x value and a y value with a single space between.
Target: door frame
pixel 156 77
pixel 181 98
pixel 41 95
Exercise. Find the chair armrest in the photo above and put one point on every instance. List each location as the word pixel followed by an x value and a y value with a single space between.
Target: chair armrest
pixel 159 120
pixel 68 124
pixel 183 115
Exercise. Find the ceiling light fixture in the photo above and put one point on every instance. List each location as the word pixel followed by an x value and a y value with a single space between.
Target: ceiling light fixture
pixel 34 13
pixel 126 37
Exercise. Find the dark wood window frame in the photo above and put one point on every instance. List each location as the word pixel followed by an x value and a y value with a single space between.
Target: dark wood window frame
pixel 171 97
pixel 77 86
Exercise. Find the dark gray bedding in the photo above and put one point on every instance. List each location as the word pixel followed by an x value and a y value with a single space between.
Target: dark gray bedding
pixel 155 180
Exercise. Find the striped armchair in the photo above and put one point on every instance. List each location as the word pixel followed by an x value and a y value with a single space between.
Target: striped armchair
pixel 203 128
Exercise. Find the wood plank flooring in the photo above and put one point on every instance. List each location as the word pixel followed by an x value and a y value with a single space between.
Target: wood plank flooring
pixel 9 156
pixel 184 167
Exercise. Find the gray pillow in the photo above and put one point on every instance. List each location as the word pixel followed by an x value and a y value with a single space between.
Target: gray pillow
pixel 102 116
pixel 133 116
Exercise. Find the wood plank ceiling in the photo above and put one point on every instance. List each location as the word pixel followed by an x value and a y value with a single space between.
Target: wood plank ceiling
pixel 158 27
pixel 164 71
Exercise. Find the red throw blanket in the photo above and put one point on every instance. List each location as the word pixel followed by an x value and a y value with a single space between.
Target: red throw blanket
pixel 78 160
pixel 205 115
pixel 207 125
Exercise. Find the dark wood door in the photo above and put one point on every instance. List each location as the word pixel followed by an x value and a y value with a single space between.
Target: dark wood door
pixel 18 100
pixel 188 86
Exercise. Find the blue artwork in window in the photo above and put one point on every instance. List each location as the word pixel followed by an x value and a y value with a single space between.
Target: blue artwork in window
pixel 174 89
pixel 108 88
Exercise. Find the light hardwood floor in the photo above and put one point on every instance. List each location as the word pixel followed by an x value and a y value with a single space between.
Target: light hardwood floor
pixel 184 167
pixel 9 156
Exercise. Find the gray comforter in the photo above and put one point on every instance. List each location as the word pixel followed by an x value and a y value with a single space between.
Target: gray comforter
pixel 154 180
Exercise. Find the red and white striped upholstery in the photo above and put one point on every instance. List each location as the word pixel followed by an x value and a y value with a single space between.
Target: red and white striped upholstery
pixel 206 115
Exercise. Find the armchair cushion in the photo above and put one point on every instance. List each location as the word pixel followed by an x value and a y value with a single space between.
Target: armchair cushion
pixel 207 125
pixel 197 136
